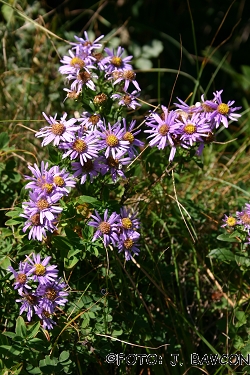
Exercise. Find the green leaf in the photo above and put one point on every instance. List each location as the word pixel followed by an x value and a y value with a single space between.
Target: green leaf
pixel 87 199
pixel 13 222
pixel 21 329
pixel 64 356
pixel 4 141
pixel 241 317
pixel 70 263
pixel 238 343
pixel 224 255
pixel 7 14
pixel 33 330
pixel 226 238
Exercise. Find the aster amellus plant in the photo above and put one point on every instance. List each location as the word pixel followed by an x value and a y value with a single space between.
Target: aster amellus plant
pixel 239 224
pixel 40 289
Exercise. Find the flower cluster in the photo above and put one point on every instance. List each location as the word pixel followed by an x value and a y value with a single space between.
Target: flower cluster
pixel 189 126
pixel 239 222
pixel 47 188
pixel 120 230
pixel 40 289
pixel 93 143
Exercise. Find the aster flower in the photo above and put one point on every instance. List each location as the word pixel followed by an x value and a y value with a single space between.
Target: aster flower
pixel 128 223
pixel 52 294
pixel 115 166
pixel 129 135
pixel 243 218
pixel 222 111
pixel 115 61
pixel 44 205
pixel 21 277
pixel 45 316
pixel 128 244
pixel 106 228
pixel 90 121
pixel 40 271
pixel 127 76
pixel 72 94
pixel 127 100
pixel 29 304
pixel 58 131
pixel 73 64
pixel 192 129
pixel 187 108
pixel 85 45
pixel 162 128
pixel 85 146
pixel 37 229
pixel 81 79
pixel 111 140
pixel 42 180
pixel 91 167
pixel 229 221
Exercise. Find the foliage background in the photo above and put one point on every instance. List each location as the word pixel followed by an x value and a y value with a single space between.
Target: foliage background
pixel 179 296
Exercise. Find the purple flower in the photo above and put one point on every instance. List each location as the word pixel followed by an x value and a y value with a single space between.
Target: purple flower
pixel 111 140
pixel 91 167
pixel 243 218
pixel 90 121
pixel 128 220
pixel 52 294
pixel 192 130
pixel 44 315
pixel 127 100
pixel 58 131
pixel 21 277
pixel 40 271
pixel 85 45
pixel 114 61
pixel 128 244
pixel 129 135
pixel 50 181
pixel 85 146
pixel 127 76
pixel 37 229
pixel 115 166
pixel 222 111
pixel 162 128
pixel 29 303
pixel 106 228
pixel 73 64
pixel 81 79
pixel 43 204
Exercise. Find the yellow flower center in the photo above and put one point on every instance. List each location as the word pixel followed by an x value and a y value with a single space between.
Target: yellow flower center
pixel 39 269
pixel 128 137
pixel 112 140
pixel 104 227
pixel 76 62
pixel 46 314
pixel 126 223
pixel 231 221
pixel 128 243
pixel 35 219
pixel 223 109
pixel 32 300
pixel 48 187
pixel 116 61
pixel 51 293
pixel 59 181
pixel 100 99
pixel 79 145
pixel 57 129
pixel 189 129
pixel 21 278
pixel 42 204
pixel 164 129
